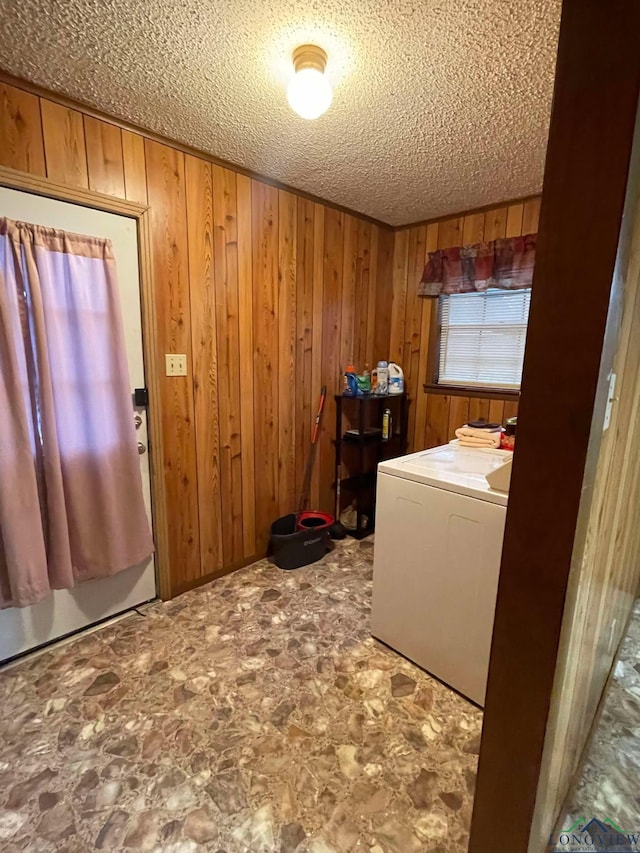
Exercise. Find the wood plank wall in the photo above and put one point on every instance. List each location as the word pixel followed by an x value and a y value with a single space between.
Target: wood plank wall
pixel 433 418
pixel 269 294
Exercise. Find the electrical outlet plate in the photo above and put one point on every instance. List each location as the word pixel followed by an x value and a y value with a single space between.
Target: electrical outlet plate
pixel 176 364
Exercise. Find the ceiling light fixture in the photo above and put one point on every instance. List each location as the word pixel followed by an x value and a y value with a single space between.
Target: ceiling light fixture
pixel 309 92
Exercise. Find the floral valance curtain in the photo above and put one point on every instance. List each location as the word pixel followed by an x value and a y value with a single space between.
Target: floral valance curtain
pixel 506 264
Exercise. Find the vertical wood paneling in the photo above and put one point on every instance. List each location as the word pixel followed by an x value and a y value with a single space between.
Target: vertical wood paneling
pixel 510 409
pixel 495 223
pixel 266 361
pixel 496 411
pixel 362 294
pixel 531 216
pixel 414 305
pixel 135 171
pixel 450 232
pixel 104 157
pixel 515 213
pixel 21 142
pixel 437 426
pixel 473 228
pixel 166 185
pixel 64 145
pixel 317 348
pixel 458 415
pixel 384 297
pixel 347 311
pixel 479 409
pixel 419 439
pixel 245 317
pixel 304 335
pixel 199 196
pixel 225 243
pixel 414 323
pixel 287 240
pixel 399 297
pixel 373 291
pixel 331 342
pixel 439 406
pixel 268 294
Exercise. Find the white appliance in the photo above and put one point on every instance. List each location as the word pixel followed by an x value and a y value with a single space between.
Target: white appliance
pixel 438 543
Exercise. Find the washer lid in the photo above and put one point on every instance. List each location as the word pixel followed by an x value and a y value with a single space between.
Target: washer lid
pixel 454 468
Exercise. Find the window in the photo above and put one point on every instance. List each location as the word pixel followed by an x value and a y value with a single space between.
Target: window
pixel 482 338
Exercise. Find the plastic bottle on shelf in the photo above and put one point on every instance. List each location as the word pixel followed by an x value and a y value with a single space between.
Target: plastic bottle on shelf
pixel 350 381
pixel 366 379
pixel 380 379
pixel 396 378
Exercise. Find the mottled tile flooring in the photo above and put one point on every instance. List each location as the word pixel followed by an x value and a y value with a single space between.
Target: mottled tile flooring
pixel 608 784
pixel 253 714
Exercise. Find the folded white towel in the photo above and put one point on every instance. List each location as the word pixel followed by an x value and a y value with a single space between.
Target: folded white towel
pixel 475 432
pixel 478 438
pixel 468 442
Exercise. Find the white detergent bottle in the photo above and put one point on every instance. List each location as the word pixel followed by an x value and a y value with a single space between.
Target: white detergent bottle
pixel 380 379
pixel 396 378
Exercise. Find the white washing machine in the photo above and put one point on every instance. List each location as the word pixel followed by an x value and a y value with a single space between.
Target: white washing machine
pixel 438 543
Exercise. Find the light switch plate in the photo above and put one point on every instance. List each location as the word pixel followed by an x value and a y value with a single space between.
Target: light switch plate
pixel 610 401
pixel 176 364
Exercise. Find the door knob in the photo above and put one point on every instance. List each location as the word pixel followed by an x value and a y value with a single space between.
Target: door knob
pixel 141 448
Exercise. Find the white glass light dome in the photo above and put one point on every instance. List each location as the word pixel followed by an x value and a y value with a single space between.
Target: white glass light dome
pixel 309 92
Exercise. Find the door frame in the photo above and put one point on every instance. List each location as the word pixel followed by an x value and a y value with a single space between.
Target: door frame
pixel 588 158
pixel 25 182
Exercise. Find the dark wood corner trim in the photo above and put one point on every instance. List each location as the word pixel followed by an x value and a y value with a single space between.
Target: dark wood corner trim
pixel 471 391
pixel 71 103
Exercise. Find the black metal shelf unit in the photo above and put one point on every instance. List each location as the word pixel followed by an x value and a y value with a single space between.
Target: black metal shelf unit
pixel 361 448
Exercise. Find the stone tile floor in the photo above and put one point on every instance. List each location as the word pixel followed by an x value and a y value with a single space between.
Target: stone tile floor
pixel 253 714
pixel 608 783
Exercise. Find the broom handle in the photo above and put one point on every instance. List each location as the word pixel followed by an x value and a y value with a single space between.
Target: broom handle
pixel 316 425
pixel 306 482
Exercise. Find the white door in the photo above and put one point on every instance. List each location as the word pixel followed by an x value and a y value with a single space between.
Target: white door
pixel 66 611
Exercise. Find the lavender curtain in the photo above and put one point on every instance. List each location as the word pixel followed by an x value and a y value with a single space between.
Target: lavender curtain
pixel 71 505
pixel 506 264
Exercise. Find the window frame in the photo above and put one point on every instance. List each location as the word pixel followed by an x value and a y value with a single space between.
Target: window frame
pixel 432 386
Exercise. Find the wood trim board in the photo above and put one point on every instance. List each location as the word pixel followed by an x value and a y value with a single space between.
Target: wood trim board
pixel 470 391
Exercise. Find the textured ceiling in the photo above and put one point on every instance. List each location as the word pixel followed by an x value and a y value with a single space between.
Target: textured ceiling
pixel 439 105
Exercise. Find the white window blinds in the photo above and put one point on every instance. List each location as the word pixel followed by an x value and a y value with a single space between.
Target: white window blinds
pixel 483 337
